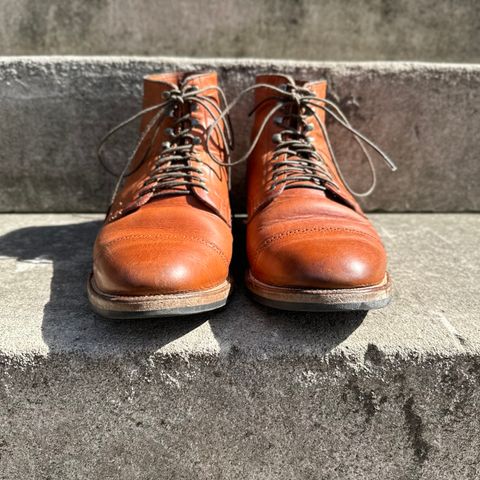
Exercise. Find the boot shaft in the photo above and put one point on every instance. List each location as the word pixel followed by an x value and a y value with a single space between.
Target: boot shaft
pixel 277 112
pixel 172 158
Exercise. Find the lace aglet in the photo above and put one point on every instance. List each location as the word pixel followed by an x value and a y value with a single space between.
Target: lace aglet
pixel 392 165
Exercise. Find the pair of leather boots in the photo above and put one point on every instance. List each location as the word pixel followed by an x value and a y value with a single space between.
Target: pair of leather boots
pixel 166 244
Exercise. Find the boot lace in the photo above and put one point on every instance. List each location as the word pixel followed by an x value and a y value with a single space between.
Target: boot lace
pixel 173 163
pixel 295 160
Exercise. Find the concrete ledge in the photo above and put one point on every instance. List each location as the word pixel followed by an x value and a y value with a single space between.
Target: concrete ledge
pixel 308 29
pixel 55 110
pixel 247 392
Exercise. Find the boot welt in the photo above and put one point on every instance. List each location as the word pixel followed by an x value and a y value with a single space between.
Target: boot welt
pixel 321 300
pixel 151 306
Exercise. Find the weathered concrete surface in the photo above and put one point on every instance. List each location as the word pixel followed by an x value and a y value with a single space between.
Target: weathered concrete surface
pixel 247 392
pixel 430 30
pixel 55 110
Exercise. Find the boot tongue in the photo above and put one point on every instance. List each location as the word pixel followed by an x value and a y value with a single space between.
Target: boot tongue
pixel 201 80
pixel 318 88
pixel 154 86
pixel 276 79
pixel 273 79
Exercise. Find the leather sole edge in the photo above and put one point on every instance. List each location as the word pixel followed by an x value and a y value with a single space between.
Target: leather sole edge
pixel 321 300
pixel 154 306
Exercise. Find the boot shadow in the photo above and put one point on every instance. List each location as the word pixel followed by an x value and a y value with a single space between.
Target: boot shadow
pixel 69 324
pixel 249 325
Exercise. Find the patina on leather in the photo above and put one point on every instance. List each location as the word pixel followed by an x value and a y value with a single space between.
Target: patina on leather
pixel 168 230
pixel 305 229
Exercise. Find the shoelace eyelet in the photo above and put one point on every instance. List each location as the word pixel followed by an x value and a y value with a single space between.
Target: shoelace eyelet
pixel 277 138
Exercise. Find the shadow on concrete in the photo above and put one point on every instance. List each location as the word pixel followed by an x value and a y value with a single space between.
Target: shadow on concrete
pixel 68 323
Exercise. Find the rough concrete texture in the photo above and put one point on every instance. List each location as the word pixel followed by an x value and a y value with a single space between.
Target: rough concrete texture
pixel 430 30
pixel 247 392
pixel 55 110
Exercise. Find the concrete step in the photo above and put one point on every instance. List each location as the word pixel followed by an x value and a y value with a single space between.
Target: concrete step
pixel 247 392
pixel 56 109
pixel 308 29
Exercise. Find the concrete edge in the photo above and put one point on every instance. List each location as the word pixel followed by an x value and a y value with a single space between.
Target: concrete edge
pixel 379 65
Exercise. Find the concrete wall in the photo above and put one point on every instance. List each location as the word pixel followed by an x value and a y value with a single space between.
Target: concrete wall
pixel 55 110
pixel 428 30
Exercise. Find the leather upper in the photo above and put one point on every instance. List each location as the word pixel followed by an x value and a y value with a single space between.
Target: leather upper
pixel 172 240
pixel 304 237
pixel 215 176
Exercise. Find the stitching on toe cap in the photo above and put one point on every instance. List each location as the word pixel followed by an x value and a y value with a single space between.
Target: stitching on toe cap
pixel 288 233
pixel 167 236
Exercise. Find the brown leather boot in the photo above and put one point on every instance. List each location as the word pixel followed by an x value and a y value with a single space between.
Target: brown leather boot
pixel 309 245
pixel 166 244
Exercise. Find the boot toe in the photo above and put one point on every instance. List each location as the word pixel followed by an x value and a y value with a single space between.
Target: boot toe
pixel 336 260
pixel 158 265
